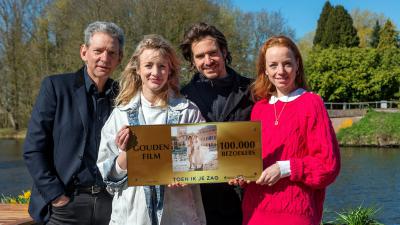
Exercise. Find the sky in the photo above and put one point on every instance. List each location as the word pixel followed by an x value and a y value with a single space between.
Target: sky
pixel 302 15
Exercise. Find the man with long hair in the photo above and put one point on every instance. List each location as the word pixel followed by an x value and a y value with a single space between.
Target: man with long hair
pixel 222 95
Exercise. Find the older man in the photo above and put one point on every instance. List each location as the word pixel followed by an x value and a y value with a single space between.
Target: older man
pixel 222 95
pixel 63 135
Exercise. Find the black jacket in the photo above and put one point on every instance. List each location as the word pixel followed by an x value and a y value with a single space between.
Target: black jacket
pixel 239 103
pixel 221 201
pixel 56 138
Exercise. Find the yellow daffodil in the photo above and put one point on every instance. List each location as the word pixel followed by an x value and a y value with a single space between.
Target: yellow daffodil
pixel 27 194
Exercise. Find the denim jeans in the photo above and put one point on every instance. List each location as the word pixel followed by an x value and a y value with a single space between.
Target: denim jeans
pixel 83 209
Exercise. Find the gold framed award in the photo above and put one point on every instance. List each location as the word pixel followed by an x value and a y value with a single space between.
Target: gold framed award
pixel 212 152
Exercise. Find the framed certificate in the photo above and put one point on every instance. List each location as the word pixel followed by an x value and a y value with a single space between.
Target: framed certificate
pixel 194 153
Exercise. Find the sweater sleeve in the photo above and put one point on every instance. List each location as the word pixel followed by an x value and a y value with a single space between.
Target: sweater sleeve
pixel 321 165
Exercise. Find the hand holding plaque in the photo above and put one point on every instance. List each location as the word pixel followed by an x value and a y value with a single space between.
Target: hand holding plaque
pixel 194 153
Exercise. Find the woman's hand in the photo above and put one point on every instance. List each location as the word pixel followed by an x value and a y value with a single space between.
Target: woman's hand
pixel 238 181
pixel 122 138
pixel 270 175
pixel 176 185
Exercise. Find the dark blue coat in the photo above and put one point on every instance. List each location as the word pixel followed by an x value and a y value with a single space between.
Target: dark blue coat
pixel 56 138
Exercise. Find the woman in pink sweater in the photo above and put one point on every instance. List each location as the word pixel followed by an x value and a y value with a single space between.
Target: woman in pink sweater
pixel 299 148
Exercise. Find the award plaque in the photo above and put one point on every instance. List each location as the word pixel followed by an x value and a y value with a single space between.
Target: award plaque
pixel 194 153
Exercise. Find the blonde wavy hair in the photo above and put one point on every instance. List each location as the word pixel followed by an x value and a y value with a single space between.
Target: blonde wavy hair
pixel 262 86
pixel 130 82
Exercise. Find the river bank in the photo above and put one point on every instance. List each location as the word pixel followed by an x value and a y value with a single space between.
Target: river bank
pixel 9 133
pixel 375 129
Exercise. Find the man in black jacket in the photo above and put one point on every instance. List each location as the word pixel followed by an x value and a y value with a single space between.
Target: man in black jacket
pixel 222 95
pixel 63 137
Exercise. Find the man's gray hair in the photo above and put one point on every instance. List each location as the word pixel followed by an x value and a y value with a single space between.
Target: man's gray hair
pixel 105 27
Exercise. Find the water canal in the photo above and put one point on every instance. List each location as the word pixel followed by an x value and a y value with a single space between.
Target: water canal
pixel 369 177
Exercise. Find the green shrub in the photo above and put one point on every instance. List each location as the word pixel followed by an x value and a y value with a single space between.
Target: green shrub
pixel 358 216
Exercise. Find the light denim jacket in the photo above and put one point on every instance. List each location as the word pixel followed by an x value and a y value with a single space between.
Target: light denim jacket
pixel 181 205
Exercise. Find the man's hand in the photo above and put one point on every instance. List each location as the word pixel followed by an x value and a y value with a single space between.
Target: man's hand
pixel 60 201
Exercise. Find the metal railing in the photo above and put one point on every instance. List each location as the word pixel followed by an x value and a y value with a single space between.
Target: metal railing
pixel 362 105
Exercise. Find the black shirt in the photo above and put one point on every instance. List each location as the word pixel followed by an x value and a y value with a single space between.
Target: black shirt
pixel 99 108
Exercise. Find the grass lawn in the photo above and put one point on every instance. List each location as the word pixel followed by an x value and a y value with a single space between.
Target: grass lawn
pixel 374 129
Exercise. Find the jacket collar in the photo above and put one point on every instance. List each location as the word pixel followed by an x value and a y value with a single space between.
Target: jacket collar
pixel 239 92
pixel 79 78
pixel 80 97
pixel 174 103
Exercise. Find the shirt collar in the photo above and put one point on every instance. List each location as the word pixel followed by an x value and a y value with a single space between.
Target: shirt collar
pixel 287 98
pixel 91 87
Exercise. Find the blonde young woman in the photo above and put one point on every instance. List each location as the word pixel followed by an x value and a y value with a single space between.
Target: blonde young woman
pixel 148 95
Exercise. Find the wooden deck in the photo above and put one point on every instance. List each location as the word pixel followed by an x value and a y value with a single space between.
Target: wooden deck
pixel 15 214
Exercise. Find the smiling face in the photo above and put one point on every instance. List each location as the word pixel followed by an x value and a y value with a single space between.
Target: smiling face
pixel 101 56
pixel 208 58
pixel 154 70
pixel 281 69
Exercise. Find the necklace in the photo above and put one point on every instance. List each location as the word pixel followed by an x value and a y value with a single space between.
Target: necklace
pixel 276 122
pixel 154 114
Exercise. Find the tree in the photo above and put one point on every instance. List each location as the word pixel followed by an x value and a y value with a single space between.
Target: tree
pixel 375 35
pixel 305 44
pixel 243 55
pixel 364 21
pixel 339 30
pixel 323 18
pixel 16 19
pixel 354 74
pixel 42 37
pixel 388 36
pixel 266 25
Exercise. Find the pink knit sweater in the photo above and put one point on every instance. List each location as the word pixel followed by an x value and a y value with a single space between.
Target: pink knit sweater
pixel 304 136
